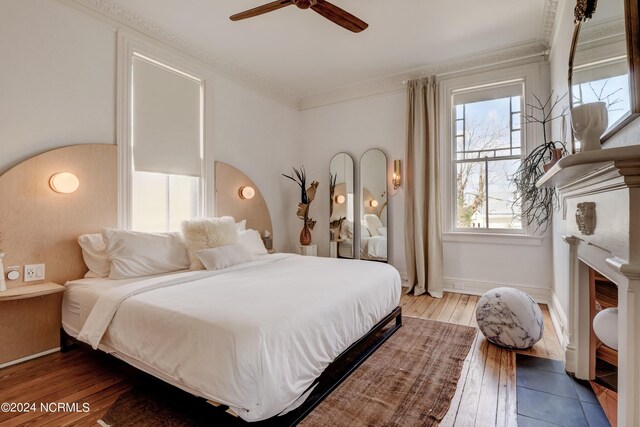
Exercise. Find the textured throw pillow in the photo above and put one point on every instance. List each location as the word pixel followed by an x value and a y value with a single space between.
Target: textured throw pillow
pixel 224 256
pixel 346 232
pixel 252 241
pixel 382 231
pixel 137 254
pixel 94 253
pixel 241 225
pixel 206 233
pixel 373 223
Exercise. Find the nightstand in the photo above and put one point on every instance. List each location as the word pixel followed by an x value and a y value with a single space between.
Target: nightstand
pixel 334 247
pixel 30 316
pixel 307 250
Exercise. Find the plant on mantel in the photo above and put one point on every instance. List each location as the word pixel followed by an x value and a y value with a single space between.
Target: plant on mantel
pixel 537 204
pixel 299 176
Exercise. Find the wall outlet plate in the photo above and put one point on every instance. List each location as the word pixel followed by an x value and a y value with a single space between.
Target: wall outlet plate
pixel 33 272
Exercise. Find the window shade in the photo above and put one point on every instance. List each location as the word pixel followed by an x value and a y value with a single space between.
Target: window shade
pixel 166 120
pixel 488 93
pixel 602 71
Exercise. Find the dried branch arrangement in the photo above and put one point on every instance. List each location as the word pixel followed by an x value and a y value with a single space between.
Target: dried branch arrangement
pixel 307 195
pixel 537 204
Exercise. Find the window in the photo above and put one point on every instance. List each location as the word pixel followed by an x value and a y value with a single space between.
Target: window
pixel 488 143
pixel 166 146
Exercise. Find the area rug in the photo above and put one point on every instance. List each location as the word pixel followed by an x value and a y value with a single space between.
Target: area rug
pixel 409 381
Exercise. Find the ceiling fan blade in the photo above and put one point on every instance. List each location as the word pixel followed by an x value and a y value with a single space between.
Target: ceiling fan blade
pixel 339 16
pixel 269 7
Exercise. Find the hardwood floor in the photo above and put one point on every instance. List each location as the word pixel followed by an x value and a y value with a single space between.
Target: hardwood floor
pixel 486 393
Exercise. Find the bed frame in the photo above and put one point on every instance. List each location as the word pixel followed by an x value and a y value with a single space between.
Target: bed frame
pixel 329 380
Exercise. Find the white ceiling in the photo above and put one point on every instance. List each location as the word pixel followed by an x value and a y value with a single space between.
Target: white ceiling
pixel 301 51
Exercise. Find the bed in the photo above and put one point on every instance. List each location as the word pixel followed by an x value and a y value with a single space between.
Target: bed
pixel 254 337
pixel 373 248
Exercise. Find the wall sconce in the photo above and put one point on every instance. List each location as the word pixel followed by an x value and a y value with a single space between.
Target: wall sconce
pixel 396 177
pixel 340 199
pixel 64 182
pixel 246 193
pixel 373 203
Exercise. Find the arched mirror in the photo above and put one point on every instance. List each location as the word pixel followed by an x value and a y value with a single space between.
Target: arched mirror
pixel 341 208
pixel 373 206
pixel 603 59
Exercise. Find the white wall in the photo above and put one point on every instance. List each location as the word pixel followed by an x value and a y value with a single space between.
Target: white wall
pixel 559 64
pixel 58 88
pixel 57 79
pixel 380 122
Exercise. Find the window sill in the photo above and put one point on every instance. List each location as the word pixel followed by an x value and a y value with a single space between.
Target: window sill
pixel 492 238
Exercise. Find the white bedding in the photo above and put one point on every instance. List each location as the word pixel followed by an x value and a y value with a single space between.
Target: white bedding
pixel 373 247
pixel 253 336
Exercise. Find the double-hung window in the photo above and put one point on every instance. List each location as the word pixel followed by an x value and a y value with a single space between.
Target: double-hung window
pixel 487 146
pixel 166 146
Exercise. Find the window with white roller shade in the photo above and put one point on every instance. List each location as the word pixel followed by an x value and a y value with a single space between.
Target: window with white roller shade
pixel 166 120
pixel 166 146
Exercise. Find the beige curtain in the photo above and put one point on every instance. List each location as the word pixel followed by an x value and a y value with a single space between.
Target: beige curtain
pixel 423 238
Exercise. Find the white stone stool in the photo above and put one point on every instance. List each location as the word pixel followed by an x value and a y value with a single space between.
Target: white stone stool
pixel 510 318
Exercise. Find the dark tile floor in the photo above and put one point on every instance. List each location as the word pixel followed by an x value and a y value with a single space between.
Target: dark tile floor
pixel 548 396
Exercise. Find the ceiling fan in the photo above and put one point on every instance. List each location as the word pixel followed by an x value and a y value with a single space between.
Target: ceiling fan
pixel 324 8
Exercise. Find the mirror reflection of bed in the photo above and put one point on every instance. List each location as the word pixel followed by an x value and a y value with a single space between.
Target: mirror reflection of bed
pixel 341 206
pixel 373 210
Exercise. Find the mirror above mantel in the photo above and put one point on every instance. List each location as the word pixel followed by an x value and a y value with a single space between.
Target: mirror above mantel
pixel 604 63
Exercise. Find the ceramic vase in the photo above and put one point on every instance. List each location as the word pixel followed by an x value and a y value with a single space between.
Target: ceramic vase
pixel 556 154
pixel 305 235
pixel 3 284
pixel 589 121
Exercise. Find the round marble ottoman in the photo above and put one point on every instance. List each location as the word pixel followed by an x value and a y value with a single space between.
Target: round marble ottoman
pixel 509 318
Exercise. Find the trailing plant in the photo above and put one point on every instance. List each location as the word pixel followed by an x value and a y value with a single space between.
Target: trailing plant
pixel 538 204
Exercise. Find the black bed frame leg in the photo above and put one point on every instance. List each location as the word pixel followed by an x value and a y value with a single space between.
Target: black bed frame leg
pixel 65 345
pixel 399 318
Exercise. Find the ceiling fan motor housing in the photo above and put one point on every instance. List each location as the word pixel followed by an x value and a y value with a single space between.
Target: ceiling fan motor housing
pixel 305 4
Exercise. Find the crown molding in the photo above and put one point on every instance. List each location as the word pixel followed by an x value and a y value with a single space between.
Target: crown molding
pixel 120 15
pixel 395 82
pixel 549 20
pixel 116 14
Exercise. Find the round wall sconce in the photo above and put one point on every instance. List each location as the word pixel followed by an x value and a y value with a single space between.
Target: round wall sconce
pixel 64 182
pixel 246 193
pixel 373 203
pixel 340 199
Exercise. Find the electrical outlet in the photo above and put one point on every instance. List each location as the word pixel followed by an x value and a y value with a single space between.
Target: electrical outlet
pixel 33 272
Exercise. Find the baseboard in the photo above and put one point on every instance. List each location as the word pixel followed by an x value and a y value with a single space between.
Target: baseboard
pixel 476 287
pixel 559 320
pixel 32 356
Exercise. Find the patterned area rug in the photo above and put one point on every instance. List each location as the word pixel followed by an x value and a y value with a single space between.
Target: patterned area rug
pixel 409 381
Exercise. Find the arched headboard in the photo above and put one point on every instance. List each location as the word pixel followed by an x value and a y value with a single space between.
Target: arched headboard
pixel 228 202
pixel 40 226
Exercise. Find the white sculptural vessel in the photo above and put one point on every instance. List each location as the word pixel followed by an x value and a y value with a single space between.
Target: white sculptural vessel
pixel 589 121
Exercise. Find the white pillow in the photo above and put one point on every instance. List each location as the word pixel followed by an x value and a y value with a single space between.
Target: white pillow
pixel 251 240
pixel 224 256
pixel 382 231
pixel 136 254
pixel 364 230
pixel 205 233
pixel 373 223
pixel 94 253
pixel 242 225
pixel 346 231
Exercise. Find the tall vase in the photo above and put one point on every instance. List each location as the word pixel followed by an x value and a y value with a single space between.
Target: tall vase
pixel 3 284
pixel 305 235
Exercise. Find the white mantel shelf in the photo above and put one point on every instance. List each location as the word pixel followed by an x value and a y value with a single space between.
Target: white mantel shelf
pixel 571 168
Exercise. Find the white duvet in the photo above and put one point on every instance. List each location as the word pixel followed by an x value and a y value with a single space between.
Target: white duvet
pixel 254 336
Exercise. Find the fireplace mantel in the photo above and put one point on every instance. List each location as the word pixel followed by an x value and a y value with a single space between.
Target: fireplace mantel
pixel 600 197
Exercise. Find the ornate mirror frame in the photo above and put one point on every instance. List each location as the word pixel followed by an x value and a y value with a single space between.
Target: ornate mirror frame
pixel 583 11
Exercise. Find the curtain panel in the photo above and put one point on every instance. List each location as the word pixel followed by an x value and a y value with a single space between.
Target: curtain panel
pixel 423 218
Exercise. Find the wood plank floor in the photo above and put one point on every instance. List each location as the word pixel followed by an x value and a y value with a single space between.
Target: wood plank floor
pixel 486 393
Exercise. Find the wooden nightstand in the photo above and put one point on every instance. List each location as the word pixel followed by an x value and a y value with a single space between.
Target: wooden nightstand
pixel 30 316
